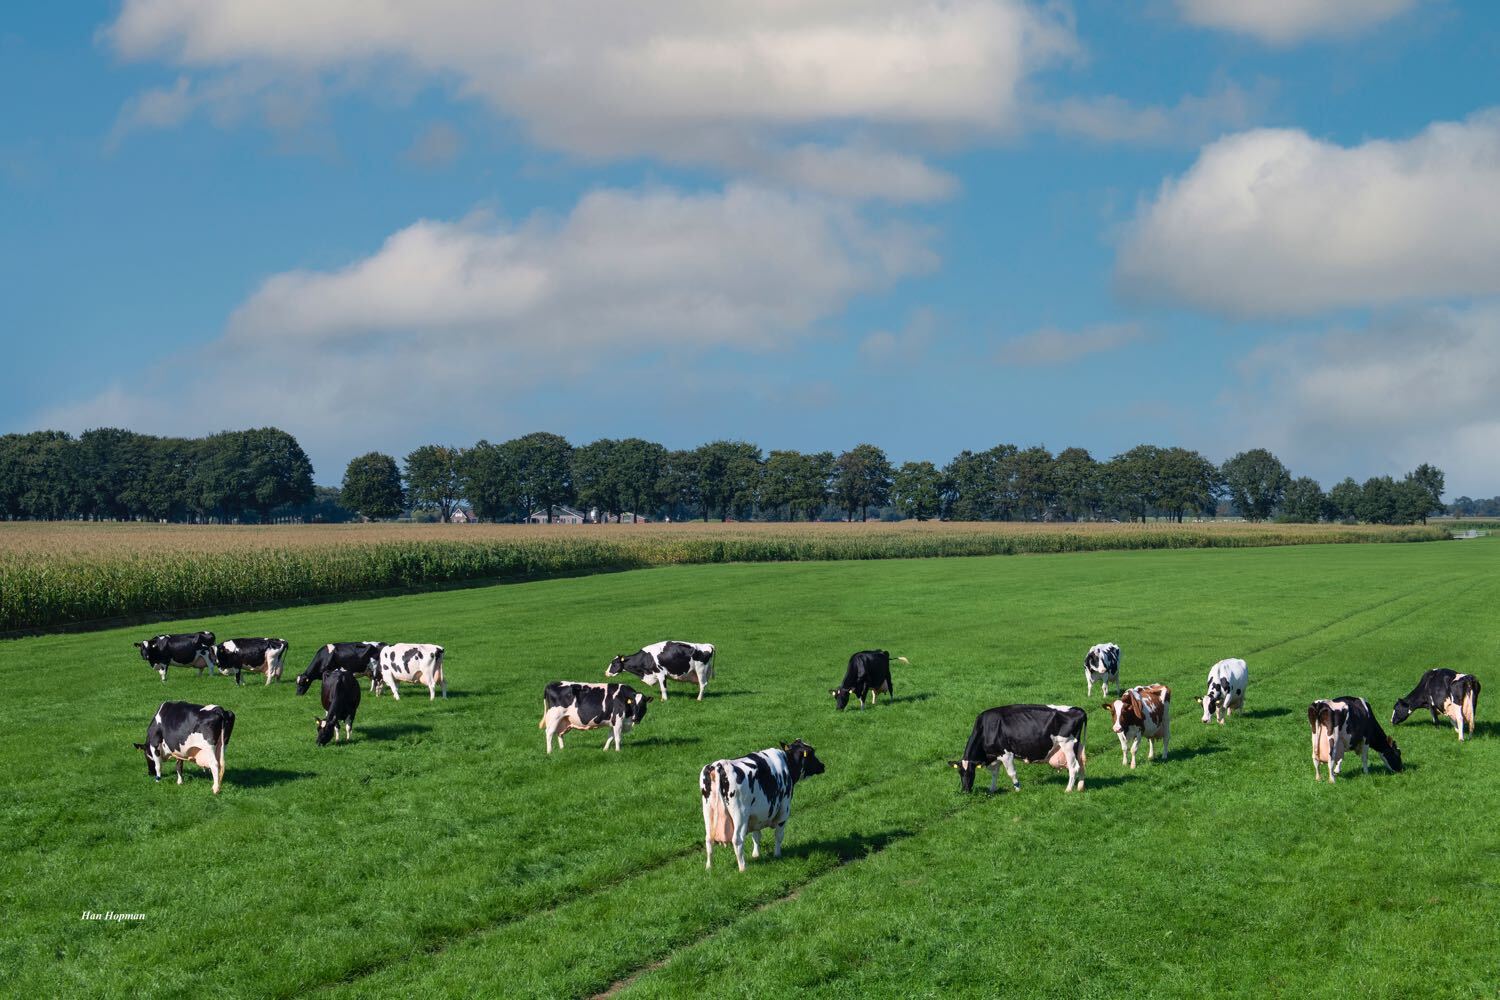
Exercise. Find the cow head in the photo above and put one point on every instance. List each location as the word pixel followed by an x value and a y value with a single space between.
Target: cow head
pixel 1121 711
pixel 326 729
pixel 616 667
pixel 635 706
pixel 802 760
pixel 840 697
pixel 1392 756
pixel 303 683
pixel 142 647
pixel 153 766
pixel 1401 712
pixel 1218 694
pixel 966 769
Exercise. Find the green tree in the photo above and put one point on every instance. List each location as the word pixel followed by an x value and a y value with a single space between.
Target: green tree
pixel 1034 481
pixel 1076 476
pixel 971 493
pixel 917 490
pixel 638 471
pixel 861 480
pixel 1256 481
pixel 796 481
pixel 1304 501
pixel 728 474
pixel 678 485
pixel 543 467
pixel 372 486
pixel 490 483
pixel 1431 479
pixel 1133 481
pixel 434 479
pixel 1377 501
pixel 1188 481
pixel 1344 501
pixel 596 477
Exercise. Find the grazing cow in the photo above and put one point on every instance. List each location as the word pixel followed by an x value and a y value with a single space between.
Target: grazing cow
pixel 1142 711
pixel 340 701
pixel 1346 723
pixel 574 705
pixel 748 794
pixel 412 663
pixel 1028 733
pixel 355 657
pixel 182 731
pixel 188 649
pixel 1227 681
pixel 869 673
pixel 1454 694
pixel 255 655
pixel 663 661
pixel 1102 664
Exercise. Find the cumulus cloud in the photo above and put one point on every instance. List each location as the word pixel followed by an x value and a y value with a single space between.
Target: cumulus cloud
pixel 1286 22
pixel 465 314
pixel 1051 346
pixel 702 84
pixel 905 346
pixel 1423 386
pixel 1273 222
pixel 1192 120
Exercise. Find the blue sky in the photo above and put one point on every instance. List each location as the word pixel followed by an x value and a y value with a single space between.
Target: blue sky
pixel 929 226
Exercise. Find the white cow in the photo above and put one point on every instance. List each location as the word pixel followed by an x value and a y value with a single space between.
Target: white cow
pixel 748 794
pixel 411 663
pixel 1102 664
pixel 1227 681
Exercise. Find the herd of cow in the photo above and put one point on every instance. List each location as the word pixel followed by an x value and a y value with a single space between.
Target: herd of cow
pixel 745 795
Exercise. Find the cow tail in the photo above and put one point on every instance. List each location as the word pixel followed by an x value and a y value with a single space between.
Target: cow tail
pixel 1083 741
pixel 442 678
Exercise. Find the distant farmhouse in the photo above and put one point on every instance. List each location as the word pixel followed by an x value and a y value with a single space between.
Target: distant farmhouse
pixel 563 514
pixel 462 516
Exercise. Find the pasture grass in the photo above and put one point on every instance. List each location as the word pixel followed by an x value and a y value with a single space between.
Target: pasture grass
pixel 443 853
pixel 91 574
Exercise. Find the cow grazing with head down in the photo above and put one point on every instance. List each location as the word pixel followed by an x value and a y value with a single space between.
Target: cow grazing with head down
pixel 409 663
pixel 1142 711
pixel 187 649
pixel 690 662
pixel 182 731
pixel 1454 694
pixel 356 657
pixel 868 673
pixel 1346 723
pixel 1102 664
pixel 748 794
pixel 259 656
pixel 1030 734
pixel 1227 681
pixel 572 705
pixel 341 702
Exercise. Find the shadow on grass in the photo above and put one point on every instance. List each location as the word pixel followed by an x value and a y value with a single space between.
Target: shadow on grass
pixel 261 777
pixel 1265 713
pixel 920 696
pixel 716 694
pixel 1188 753
pixel 847 848
pixel 391 730
pixel 666 741
pixel 1108 781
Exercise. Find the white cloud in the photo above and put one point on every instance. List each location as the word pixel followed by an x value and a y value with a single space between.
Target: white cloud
pixel 1286 22
pixel 1192 120
pixel 723 85
pixel 1273 222
pixel 1051 346
pixel 462 316
pixel 906 346
pixel 1420 387
pixel 437 146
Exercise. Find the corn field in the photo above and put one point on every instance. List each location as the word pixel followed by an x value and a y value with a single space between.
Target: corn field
pixel 79 574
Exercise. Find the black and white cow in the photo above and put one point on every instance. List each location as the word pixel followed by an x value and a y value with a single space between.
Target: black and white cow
pixel 749 794
pixel 187 649
pixel 670 660
pixel 1346 723
pixel 341 702
pixel 1102 664
pixel 575 705
pixel 1029 733
pixel 411 663
pixel 182 731
pixel 355 657
pixel 1454 694
pixel 1227 681
pixel 869 672
pixel 259 656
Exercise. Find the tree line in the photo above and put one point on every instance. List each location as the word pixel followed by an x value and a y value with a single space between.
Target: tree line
pixel 736 479
pixel 118 474
pixel 264 474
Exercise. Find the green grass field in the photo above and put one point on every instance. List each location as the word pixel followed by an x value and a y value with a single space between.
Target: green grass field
pixel 443 853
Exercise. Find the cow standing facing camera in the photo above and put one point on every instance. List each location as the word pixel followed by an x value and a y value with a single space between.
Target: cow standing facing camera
pixel 1102 665
pixel 1142 711
pixel 341 702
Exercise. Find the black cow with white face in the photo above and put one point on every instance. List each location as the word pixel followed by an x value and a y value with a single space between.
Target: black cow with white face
pixel 1454 694
pixel 186 649
pixel 1028 733
pixel 573 705
pixel 1346 723
pixel 691 662
pixel 259 656
pixel 355 657
pixel 182 731
pixel 341 701
pixel 868 673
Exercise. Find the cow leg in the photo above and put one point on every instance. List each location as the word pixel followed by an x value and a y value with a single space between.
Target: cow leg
pixel 216 770
pixel 1090 678
pixel 755 844
pixel 1124 750
pixel 739 847
pixel 994 777
pixel 702 686
pixel 1135 745
pixel 179 772
pixel 395 689
pixel 663 684
pixel 1364 757
pixel 708 842
pixel 1008 760
pixel 163 672
pixel 780 832
pixel 348 730
pixel 432 689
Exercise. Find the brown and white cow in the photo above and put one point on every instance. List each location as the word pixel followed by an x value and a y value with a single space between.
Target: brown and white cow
pixel 1142 711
